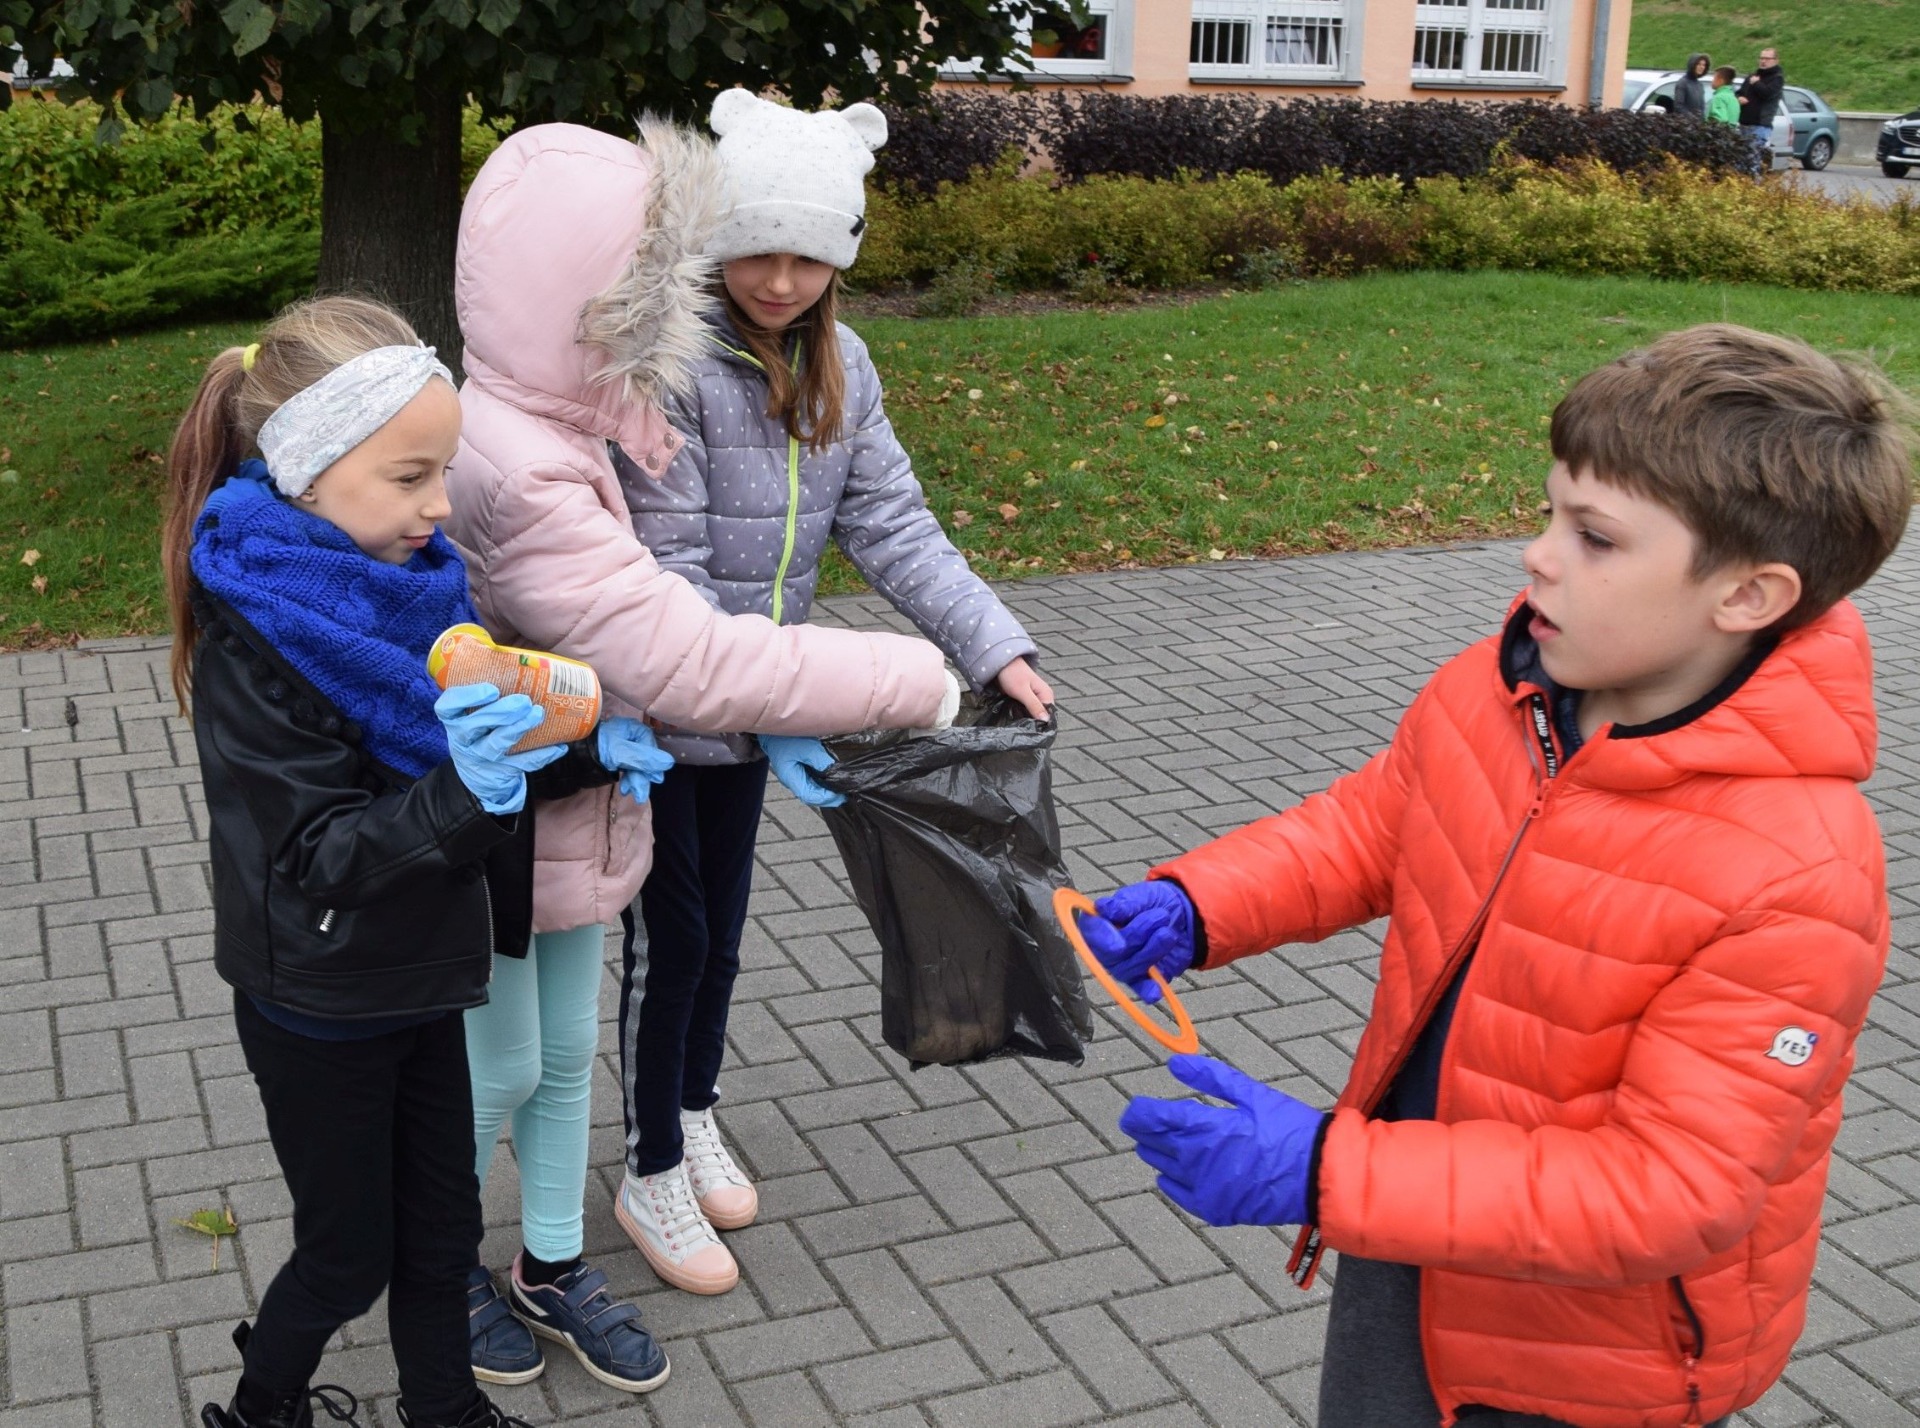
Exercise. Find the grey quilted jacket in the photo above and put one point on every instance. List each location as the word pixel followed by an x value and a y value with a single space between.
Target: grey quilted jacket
pixel 749 532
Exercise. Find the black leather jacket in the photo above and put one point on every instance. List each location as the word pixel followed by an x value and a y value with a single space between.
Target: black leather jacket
pixel 1762 92
pixel 342 887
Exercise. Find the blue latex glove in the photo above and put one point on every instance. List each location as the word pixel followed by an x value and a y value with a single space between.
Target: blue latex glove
pixel 793 757
pixel 1246 1163
pixel 627 747
pixel 481 728
pixel 1139 926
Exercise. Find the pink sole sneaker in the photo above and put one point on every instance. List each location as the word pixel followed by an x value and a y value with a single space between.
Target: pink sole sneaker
pixel 709 1271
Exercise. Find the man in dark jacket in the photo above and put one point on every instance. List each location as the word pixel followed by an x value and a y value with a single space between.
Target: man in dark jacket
pixel 1690 91
pixel 1760 101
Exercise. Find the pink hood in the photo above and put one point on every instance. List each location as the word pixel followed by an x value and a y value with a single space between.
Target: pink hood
pixel 574 306
pixel 581 293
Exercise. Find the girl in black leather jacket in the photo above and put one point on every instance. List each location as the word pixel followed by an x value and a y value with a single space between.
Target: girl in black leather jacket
pixel 371 837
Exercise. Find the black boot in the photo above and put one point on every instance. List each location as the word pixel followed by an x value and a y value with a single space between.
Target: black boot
pixel 293 1410
pixel 483 1414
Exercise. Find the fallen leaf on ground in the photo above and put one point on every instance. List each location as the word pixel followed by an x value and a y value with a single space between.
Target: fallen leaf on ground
pixel 1157 419
pixel 29 557
pixel 214 1224
pixel 963 518
pixel 1009 512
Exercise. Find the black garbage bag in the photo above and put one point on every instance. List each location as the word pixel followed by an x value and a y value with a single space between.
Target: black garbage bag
pixel 953 851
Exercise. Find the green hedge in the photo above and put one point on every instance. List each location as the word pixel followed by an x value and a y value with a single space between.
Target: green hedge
pixel 1019 232
pixel 189 220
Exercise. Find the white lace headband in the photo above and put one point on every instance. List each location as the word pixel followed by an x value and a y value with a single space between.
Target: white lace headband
pixel 316 427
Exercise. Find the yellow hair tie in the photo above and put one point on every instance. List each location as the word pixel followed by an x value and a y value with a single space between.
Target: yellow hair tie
pixel 247 357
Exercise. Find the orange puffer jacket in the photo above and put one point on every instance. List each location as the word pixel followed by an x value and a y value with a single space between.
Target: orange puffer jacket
pixel 1675 933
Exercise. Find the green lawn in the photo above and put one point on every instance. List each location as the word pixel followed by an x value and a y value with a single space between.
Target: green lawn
pixel 1858 54
pixel 1407 408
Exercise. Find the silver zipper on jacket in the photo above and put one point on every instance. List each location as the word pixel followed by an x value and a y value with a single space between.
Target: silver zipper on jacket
pixel 326 920
pixel 486 894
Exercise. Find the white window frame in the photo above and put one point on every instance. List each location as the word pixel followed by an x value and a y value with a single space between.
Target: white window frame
pixel 1118 63
pixel 1262 18
pixel 1490 31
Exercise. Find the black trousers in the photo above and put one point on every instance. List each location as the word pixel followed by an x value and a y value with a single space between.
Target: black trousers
pixel 677 986
pixel 1374 1373
pixel 375 1141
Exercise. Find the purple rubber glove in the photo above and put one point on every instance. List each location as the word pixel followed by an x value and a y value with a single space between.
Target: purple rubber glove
pixel 1139 926
pixel 627 747
pixel 1245 1163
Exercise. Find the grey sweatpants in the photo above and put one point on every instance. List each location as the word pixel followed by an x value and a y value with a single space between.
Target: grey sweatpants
pixel 1374 1374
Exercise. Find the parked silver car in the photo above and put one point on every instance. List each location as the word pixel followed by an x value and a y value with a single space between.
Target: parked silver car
pixel 1806 128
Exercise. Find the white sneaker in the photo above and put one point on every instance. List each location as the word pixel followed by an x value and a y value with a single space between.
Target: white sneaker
pixel 727 1198
pixel 663 1220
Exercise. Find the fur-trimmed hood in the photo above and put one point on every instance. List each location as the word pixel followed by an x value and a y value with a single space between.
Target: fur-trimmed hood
pixel 580 283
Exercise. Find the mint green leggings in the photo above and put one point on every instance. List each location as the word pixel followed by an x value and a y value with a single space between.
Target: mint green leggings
pixel 530 1050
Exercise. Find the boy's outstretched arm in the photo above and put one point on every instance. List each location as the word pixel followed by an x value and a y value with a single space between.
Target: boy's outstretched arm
pixel 1723 1071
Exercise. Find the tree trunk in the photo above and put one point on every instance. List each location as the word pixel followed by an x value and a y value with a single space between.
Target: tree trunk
pixel 390 214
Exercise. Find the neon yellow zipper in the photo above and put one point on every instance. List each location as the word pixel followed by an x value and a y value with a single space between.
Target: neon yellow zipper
pixel 793 488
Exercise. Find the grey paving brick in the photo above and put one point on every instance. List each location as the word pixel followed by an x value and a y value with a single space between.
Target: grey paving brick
pixel 1217 1382
pixel 46 1352
pixel 1164 1238
pixel 1187 1309
pixel 1041 1402
pixel 785 1400
pixel 1084 1279
pixel 892 1307
pixel 897 1375
pixel 1062 1217
pixel 866 1226
pixel 69 1413
pixel 1121 1372
pixel 780 1269
pixel 996 1331
pixel 137 1382
pixel 990 1250
pixel 861 1162
pixel 1844 1394
pixel 1889 1237
pixel 110 1206
pixel 796 1342
pixel 965 1196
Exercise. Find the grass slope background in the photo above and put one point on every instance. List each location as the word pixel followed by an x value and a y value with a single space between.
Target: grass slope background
pixel 1858 54
pixel 1389 410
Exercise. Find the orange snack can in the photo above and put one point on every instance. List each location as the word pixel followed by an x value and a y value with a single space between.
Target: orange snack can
pixel 566 688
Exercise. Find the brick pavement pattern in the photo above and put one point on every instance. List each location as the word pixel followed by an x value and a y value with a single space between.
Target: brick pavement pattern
pixel 948 1248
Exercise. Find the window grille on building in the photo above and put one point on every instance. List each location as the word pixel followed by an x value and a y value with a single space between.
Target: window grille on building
pixel 1481 39
pixel 1269 39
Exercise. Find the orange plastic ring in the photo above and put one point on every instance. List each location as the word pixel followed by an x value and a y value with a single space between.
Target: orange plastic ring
pixel 1067 906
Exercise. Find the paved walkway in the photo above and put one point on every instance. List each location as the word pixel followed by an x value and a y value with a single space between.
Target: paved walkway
pixel 948 1248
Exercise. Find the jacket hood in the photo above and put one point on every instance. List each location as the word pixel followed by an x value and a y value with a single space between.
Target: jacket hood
pixel 1799 707
pixel 1693 60
pixel 580 281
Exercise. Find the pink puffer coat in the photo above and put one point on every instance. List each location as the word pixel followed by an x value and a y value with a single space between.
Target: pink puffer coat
pixel 580 292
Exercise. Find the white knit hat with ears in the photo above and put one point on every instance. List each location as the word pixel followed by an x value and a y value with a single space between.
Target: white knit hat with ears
pixel 796 178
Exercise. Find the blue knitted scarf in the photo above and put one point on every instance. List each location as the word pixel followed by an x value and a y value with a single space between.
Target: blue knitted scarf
pixel 357 628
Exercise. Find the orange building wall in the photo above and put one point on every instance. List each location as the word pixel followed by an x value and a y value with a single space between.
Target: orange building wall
pixel 1160 38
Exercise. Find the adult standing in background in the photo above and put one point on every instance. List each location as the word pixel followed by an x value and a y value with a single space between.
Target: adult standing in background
pixel 1690 92
pixel 1760 101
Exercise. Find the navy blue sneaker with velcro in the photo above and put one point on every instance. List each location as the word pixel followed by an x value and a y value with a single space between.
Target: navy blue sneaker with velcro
pixel 503 1349
pixel 604 1334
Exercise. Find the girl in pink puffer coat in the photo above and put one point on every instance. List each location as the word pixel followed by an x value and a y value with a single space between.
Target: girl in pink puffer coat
pixel 581 295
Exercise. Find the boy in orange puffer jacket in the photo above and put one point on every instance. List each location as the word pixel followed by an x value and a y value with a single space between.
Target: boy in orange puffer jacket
pixel 1638 913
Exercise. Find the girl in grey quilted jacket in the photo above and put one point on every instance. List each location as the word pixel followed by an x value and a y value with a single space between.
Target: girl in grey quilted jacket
pixel 787 446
